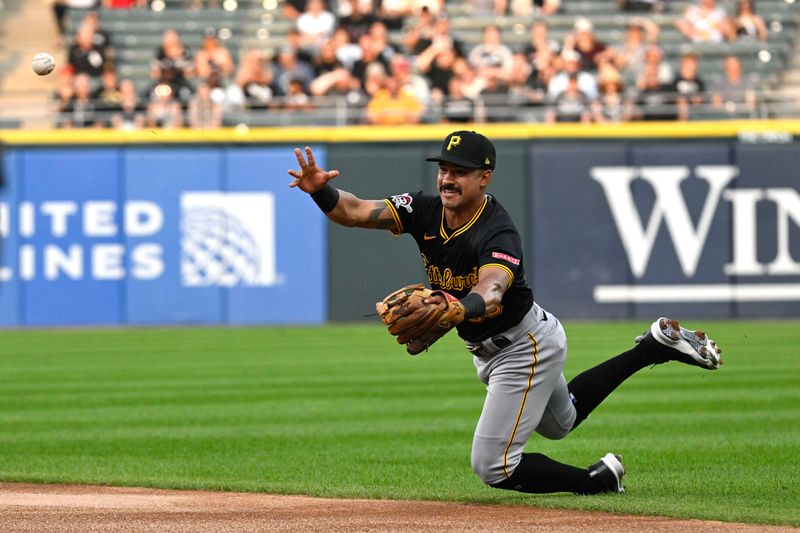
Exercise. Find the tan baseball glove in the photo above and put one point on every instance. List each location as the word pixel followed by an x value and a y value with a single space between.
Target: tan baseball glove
pixel 418 324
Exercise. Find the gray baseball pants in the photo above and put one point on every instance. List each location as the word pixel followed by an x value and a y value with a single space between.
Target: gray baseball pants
pixel 525 392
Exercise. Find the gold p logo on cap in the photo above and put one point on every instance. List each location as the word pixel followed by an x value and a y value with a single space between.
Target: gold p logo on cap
pixel 455 140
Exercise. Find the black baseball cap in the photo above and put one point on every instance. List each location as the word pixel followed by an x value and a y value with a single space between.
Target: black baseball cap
pixel 467 149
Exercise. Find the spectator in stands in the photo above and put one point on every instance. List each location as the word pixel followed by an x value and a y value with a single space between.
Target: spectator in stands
pixel 370 53
pixel 164 110
pixel 62 95
pixel 225 93
pixel 539 79
pixel 392 105
pixel 173 65
pixel 203 112
pixel 540 39
pixel 689 88
pixel 342 92
pixel 130 114
pixel 108 96
pixel 291 9
pixel 347 52
pixel 629 56
pixel 213 56
pixel 457 107
pixel 294 40
pixel 124 4
pixel 493 101
pixel 641 6
pixel 747 24
pixel 85 57
pixel 380 38
pixel 419 34
pixel 400 70
pixel 654 56
pixel 654 100
pixel 471 83
pixel 374 79
pixel 394 12
pixel 526 8
pixel 521 88
pixel 81 110
pixel 358 20
pixel 705 23
pixel 570 65
pixel 60 10
pixel 734 94
pixel 326 59
pixel 254 79
pixel 101 38
pixel 491 57
pixel 439 38
pixel 584 41
pixel 339 85
pixel 316 25
pixel 611 105
pixel 289 69
pixel 345 8
pixel 571 105
pixel 434 6
pixel 296 97
pixel 437 63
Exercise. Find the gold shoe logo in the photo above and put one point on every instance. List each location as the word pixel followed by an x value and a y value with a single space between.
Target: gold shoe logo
pixel 455 140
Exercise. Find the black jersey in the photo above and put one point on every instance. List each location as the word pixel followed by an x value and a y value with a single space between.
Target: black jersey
pixel 453 258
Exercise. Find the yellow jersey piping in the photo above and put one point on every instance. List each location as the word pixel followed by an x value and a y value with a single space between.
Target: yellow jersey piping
pixel 498 265
pixel 463 228
pixel 522 405
pixel 396 217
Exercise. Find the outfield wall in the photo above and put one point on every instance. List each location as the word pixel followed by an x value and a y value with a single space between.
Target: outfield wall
pixel 625 222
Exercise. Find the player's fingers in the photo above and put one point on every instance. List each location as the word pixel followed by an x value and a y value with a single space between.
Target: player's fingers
pixel 331 174
pixel 295 182
pixel 300 160
pixel 311 161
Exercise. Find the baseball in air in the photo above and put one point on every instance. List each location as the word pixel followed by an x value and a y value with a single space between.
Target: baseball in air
pixel 43 63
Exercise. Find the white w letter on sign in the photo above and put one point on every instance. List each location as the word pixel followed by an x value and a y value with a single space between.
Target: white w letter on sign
pixel 670 207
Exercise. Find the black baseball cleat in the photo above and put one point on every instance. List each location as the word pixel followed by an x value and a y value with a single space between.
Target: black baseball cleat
pixel 671 342
pixel 608 471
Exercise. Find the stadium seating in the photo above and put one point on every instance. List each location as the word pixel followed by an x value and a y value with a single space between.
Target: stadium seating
pixel 137 34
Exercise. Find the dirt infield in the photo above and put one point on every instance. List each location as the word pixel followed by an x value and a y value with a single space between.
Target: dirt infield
pixel 29 507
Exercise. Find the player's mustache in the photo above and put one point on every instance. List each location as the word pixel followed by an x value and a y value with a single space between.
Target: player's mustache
pixel 449 187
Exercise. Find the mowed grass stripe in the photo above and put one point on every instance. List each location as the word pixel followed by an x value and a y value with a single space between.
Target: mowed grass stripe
pixel 343 411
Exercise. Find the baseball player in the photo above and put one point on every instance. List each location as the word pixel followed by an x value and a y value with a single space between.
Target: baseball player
pixel 473 256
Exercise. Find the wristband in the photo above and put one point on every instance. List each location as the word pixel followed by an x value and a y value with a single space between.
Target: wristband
pixel 474 305
pixel 326 198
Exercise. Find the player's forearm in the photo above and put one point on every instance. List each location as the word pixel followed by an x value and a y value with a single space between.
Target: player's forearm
pixel 344 211
pixel 352 211
pixel 491 287
pixel 491 292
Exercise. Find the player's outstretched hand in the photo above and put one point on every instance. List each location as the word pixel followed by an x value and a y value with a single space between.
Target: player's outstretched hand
pixel 310 178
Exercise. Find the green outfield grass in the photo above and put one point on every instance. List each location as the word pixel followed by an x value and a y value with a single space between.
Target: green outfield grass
pixel 342 411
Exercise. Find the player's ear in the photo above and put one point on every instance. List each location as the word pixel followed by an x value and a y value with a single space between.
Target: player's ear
pixel 486 177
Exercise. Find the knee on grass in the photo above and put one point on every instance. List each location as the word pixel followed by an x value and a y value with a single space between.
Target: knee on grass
pixel 490 469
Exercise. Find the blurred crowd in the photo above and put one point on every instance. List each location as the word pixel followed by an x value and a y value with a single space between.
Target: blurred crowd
pixel 339 56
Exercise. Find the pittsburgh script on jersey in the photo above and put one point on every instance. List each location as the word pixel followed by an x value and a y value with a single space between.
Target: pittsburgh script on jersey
pixel 447 281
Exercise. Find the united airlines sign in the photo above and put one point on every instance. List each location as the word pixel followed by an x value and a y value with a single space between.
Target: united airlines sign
pixel 153 236
pixel 226 239
pixel 688 238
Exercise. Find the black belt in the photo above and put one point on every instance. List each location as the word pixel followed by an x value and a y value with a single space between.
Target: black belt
pixel 502 342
